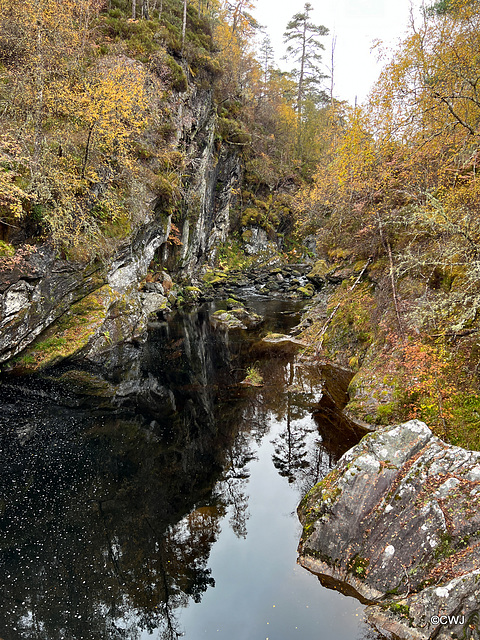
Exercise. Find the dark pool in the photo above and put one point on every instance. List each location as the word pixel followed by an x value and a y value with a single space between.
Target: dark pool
pixel 158 498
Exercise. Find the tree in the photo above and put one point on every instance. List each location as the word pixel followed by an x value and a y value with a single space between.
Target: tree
pixel 241 18
pixel 184 22
pixel 266 60
pixel 113 107
pixel 304 49
pixel 41 44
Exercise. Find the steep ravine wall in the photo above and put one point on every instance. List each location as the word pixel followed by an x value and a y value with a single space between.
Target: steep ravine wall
pixel 84 309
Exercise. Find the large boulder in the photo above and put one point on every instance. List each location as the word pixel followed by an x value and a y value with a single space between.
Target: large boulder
pixel 239 318
pixel 398 522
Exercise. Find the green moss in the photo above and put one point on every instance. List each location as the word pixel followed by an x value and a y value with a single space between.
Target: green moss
pixel 70 333
pixel 319 269
pixel 318 555
pixel 6 249
pixel 400 608
pixel 306 292
pixel 178 79
pixel 232 131
pixel 51 345
pixel 358 566
pixel 385 412
pixel 231 256
pixel 234 304
pixel 445 548
pixel 253 378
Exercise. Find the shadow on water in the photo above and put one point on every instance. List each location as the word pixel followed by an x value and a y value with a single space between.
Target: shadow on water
pixel 115 487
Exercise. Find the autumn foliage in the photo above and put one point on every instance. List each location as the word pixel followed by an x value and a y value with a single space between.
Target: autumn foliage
pixel 398 183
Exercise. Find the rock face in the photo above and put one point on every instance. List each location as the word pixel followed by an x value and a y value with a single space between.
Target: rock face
pixel 37 289
pixel 398 520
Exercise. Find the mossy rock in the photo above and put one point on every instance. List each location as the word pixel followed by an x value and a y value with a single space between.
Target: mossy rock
pixel 69 334
pixel 191 293
pixel 318 272
pixel 306 292
pixel 247 235
pixel 178 79
pixel 374 396
pixel 232 303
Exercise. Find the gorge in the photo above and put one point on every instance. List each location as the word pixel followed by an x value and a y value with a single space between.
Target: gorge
pixel 224 293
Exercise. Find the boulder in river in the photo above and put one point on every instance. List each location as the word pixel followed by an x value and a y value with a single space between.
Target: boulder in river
pixel 397 521
pixel 240 318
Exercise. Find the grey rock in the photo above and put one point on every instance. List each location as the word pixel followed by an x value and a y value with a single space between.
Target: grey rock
pixel 256 242
pixel 240 318
pixel 398 520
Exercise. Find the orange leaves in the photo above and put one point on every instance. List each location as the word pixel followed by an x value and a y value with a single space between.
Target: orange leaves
pixel 174 236
pixel 428 381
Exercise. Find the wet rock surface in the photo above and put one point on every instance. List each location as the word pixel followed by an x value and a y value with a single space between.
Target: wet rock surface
pixel 398 520
pixel 280 281
pixel 239 318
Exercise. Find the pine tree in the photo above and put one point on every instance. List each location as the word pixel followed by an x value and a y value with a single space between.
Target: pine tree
pixel 304 49
pixel 266 60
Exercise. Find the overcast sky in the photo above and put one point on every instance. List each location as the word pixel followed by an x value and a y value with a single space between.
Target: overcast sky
pixel 356 25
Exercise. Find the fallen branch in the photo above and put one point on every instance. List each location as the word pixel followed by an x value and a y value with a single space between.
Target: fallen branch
pixel 337 306
pixel 454 334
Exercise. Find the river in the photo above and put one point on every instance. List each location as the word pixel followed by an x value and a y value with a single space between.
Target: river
pixel 159 499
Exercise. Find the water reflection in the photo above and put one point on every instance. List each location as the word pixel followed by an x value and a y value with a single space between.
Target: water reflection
pixel 115 487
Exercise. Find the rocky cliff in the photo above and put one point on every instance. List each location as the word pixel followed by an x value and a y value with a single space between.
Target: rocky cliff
pixel 398 523
pixel 69 308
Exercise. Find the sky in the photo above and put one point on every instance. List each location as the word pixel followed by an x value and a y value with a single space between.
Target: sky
pixel 356 25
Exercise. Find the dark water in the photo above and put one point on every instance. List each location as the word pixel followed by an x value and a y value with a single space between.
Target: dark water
pixel 160 499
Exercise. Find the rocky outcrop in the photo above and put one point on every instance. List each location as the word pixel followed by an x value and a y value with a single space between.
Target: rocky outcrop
pixel 57 309
pixel 38 289
pixel 257 243
pixel 398 521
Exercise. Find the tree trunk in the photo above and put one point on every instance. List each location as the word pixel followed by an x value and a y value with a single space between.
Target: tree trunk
pixel 134 9
pixel 302 71
pixel 87 149
pixel 332 67
pixel 184 25
pixel 39 97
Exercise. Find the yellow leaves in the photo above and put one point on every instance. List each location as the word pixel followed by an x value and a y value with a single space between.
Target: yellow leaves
pixel 44 31
pixel 429 89
pixel 115 104
pixel 12 197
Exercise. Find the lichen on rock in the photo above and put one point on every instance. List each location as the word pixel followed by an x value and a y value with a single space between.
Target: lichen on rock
pixel 398 520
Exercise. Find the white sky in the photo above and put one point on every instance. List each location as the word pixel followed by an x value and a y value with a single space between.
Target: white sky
pixel 356 24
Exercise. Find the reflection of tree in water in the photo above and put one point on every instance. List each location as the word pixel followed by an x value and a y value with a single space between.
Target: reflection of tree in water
pixel 297 455
pixel 233 483
pixel 108 533
pixel 103 548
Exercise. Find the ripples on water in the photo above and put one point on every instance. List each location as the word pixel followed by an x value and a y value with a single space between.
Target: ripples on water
pixel 161 499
